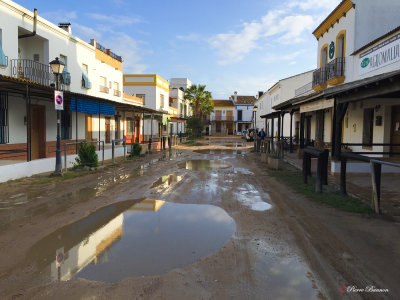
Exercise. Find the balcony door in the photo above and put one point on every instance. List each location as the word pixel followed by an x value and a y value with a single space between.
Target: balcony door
pixel 229 115
pixel 38 129
pixel 218 115
pixel 340 55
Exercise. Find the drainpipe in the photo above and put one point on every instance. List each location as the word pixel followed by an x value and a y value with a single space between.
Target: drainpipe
pixel 34 26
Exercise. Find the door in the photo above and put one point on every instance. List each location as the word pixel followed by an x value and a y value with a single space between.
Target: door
pixel 88 127
pixel 108 130
pixel 395 134
pixel 218 127
pixel 137 130
pixel 218 115
pixel 38 131
pixel 229 128
pixel 229 115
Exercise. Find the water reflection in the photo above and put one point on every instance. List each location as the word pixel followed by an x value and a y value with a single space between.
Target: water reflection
pixel 166 181
pixel 204 165
pixel 219 151
pixel 133 238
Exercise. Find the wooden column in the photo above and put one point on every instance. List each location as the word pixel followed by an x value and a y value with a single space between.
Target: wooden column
pixel 291 132
pixel 302 117
pixel 340 111
pixel 279 127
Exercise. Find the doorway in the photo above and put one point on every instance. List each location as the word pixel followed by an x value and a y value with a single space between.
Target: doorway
pixel 88 127
pixel 229 128
pixel 108 130
pixel 218 127
pixel 117 128
pixel 395 134
pixel 38 131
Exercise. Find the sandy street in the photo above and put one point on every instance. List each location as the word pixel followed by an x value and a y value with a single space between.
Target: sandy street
pixel 204 222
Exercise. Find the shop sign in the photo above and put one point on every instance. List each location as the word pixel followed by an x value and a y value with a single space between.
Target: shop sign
pixel 381 55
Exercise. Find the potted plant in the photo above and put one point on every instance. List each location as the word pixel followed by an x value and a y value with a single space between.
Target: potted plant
pixel 275 160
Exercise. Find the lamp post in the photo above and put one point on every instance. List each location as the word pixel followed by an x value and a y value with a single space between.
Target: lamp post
pixel 57 67
pixel 255 107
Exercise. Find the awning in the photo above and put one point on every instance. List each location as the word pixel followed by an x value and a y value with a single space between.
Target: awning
pixel 91 107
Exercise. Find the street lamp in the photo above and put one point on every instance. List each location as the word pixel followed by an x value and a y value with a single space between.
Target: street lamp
pixel 57 67
pixel 255 116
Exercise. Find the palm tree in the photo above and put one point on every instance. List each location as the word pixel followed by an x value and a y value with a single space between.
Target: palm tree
pixel 199 100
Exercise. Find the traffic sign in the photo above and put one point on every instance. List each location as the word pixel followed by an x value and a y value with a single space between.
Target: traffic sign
pixel 59 100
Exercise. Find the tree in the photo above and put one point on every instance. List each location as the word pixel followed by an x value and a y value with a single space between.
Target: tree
pixel 195 125
pixel 199 100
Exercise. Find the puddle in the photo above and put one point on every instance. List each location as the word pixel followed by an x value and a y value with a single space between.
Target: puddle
pixel 219 151
pixel 248 195
pixel 204 165
pixel 260 206
pixel 166 181
pixel 132 238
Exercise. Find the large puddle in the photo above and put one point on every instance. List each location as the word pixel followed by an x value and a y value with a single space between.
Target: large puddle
pixel 219 151
pixel 132 238
pixel 204 165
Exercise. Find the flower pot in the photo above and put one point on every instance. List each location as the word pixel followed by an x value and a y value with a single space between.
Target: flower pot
pixel 275 163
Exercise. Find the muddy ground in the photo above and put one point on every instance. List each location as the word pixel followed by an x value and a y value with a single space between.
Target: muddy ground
pixel 297 249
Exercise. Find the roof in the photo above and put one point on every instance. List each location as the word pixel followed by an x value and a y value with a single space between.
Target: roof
pixel 223 103
pixel 340 10
pixel 245 100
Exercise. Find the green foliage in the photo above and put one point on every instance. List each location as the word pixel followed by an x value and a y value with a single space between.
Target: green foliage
pixel 87 156
pixel 199 100
pixel 136 149
pixel 195 125
pixel 189 132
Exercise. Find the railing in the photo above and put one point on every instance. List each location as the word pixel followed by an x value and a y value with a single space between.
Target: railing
pixel 107 51
pixel 347 145
pixel 376 174
pixel 115 56
pixel 117 93
pixel 124 144
pixel 319 77
pixel 31 70
pixel 222 118
pixel 303 89
pixel 79 143
pixel 335 68
pixel 4 62
pixel 103 89
pixel 37 72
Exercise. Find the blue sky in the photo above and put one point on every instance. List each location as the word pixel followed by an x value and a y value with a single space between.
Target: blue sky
pixel 235 45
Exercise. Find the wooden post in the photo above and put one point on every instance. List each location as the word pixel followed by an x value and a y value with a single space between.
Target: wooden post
pixel 279 127
pixel 318 183
pixel 305 167
pixel 343 164
pixel 376 170
pixel 273 129
pixel 302 117
pixel 291 132
pixel 340 112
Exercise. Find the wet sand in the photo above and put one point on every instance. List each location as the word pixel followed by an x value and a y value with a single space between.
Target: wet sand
pixel 283 246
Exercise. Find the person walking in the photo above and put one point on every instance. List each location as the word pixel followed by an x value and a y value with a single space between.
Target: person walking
pixel 262 133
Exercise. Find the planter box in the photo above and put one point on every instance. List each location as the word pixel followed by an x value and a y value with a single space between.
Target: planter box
pixel 264 157
pixel 275 163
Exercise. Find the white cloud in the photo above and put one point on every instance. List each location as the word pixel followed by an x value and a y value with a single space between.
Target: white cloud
pixel 192 37
pixel 58 16
pixel 115 20
pixel 279 26
pixel 85 33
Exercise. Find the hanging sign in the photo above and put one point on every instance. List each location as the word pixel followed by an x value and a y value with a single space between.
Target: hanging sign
pixel 59 100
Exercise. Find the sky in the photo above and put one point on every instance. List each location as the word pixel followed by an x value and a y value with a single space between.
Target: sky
pixel 236 45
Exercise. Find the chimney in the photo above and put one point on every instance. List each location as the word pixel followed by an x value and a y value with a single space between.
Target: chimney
pixel 260 93
pixel 235 97
pixel 66 27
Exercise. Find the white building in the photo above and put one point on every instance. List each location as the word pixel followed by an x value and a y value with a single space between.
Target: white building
pixel 263 104
pixel 94 108
pixel 154 91
pixel 178 110
pixel 223 118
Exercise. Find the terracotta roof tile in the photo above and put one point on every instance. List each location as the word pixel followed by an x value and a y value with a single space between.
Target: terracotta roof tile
pixel 225 103
pixel 246 100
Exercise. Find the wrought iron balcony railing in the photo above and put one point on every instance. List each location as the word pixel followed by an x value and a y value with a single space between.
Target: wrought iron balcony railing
pixel 335 68
pixel 319 77
pixel 222 118
pixel 37 72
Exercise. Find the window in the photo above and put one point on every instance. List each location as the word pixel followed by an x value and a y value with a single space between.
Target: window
pixel 65 124
pixel 103 85
pixel 65 76
pixel 368 127
pixel 143 96
pixel 117 92
pixel 161 101
pixel 239 115
pixel 3 118
pixel 85 77
pixel 3 57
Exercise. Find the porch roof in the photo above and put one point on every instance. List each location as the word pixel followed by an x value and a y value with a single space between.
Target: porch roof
pixel 21 86
pixel 272 115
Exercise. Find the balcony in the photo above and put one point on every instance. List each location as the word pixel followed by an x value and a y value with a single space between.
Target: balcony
pixel 319 79
pixel 117 93
pixel 3 61
pixel 38 73
pixel 103 89
pixel 335 71
pixel 222 118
